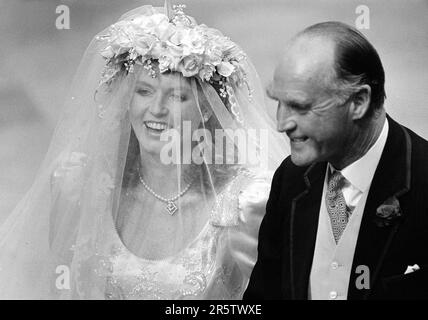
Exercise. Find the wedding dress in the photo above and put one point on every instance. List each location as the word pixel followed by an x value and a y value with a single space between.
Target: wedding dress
pixel 210 267
pixel 152 91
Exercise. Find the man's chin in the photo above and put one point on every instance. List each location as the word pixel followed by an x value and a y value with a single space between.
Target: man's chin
pixel 301 161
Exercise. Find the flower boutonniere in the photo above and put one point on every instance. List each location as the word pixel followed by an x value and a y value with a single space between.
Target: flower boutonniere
pixel 388 212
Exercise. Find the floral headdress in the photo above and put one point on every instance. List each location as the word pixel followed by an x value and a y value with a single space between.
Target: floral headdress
pixel 177 44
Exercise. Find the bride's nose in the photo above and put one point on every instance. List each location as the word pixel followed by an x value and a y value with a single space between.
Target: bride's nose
pixel 158 106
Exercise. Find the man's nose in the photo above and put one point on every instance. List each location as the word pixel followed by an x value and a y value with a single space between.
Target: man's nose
pixel 158 106
pixel 285 119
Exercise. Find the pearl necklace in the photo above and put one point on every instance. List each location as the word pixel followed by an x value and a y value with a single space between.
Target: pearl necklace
pixel 171 206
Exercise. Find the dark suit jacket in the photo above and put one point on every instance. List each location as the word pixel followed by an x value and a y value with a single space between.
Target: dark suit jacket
pixel 288 232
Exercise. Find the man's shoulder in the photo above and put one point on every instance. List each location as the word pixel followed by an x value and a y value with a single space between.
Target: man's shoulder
pixel 416 146
pixel 419 144
pixel 419 153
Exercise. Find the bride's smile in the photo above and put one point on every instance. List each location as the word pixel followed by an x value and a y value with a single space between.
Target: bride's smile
pixel 157 127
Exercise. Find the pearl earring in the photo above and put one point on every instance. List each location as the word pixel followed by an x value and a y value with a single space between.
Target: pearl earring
pixel 206 117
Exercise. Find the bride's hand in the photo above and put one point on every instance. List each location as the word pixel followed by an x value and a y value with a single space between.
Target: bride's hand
pixel 252 208
pixel 68 174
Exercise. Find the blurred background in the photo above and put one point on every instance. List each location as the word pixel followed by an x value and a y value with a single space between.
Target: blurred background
pixel 37 60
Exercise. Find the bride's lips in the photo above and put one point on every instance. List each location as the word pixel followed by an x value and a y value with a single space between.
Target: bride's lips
pixel 156 127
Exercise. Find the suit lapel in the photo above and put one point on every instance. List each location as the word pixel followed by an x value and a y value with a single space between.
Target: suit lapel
pixel 392 178
pixel 303 229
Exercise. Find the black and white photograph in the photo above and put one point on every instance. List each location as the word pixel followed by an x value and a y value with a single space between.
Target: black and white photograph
pixel 240 150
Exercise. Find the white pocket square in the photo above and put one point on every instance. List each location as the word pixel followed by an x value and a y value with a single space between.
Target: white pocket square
pixel 411 269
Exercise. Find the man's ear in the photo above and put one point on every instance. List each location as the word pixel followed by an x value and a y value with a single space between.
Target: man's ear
pixel 361 102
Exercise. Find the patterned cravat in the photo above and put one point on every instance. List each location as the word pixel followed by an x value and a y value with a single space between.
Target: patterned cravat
pixel 336 206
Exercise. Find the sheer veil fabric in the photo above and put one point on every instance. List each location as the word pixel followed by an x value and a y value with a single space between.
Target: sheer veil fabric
pixel 137 197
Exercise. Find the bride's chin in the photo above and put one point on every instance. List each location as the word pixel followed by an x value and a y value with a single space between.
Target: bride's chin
pixel 152 146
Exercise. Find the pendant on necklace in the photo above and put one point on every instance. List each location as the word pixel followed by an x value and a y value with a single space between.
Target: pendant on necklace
pixel 171 207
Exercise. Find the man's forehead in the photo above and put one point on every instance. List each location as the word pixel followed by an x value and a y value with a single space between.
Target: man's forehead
pixel 317 101
pixel 275 91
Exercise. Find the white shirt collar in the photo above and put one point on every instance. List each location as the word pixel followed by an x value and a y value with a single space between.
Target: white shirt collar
pixel 367 164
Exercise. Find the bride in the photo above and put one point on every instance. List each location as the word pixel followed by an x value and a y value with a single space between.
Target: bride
pixel 157 176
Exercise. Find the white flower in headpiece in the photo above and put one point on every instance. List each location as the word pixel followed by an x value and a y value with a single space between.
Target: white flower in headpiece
pixel 108 52
pixel 190 65
pixel 159 49
pixel 213 54
pixel 121 43
pixel 144 43
pixel 169 61
pixel 225 68
pixel 206 72
pixel 164 62
pixel 178 36
pixel 164 30
pixel 195 41
pixel 190 40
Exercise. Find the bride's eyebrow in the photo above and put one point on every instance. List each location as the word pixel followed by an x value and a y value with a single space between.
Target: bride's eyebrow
pixel 141 83
pixel 179 87
pixel 178 90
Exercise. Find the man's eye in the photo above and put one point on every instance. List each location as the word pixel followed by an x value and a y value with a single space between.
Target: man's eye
pixel 144 92
pixel 299 107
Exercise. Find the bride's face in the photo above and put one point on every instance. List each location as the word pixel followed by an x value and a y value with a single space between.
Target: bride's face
pixel 162 103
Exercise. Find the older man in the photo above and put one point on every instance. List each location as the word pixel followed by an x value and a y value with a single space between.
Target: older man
pixel 347 216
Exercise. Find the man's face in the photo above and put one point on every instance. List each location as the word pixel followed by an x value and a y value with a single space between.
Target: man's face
pixel 317 124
